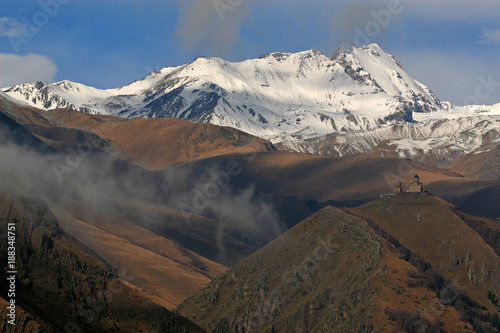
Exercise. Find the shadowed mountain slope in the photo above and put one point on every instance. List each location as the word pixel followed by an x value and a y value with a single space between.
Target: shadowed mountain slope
pixel 300 184
pixel 13 133
pixel 118 210
pixel 432 228
pixel 330 273
pixel 154 263
pixel 67 288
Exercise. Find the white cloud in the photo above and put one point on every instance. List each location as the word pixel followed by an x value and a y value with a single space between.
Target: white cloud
pixel 10 27
pixel 16 69
pixel 491 37
pixel 453 76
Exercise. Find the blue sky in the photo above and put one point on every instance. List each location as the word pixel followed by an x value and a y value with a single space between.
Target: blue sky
pixel 453 46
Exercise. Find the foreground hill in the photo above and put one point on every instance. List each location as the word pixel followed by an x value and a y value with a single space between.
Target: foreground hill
pixel 462 248
pixel 336 272
pixel 59 287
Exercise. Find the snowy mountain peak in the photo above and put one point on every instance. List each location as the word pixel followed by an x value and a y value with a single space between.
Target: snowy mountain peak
pixel 276 56
pixel 374 49
pixel 372 64
pixel 301 95
pixel 67 85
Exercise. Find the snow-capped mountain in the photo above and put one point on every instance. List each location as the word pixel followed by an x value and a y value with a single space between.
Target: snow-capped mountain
pixel 305 94
pixel 347 103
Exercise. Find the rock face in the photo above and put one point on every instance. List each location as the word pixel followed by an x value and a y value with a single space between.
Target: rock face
pixel 68 289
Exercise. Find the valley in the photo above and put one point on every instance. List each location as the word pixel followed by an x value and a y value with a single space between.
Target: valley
pixel 252 196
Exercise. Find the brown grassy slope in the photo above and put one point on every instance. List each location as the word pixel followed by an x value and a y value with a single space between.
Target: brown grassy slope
pixel 488 229
pixel 65 286
pixel 201 235
pixel 429 227
pixel 44 128
pixel 154 263
pixel 484 165
pixel 168 263
pixel 330 273
pixel 155 143
pixel 342 179
pixel 150 143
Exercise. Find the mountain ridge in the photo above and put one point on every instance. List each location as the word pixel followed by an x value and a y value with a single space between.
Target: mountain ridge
pixel 267 96
pixel 339 271
pixel 354 101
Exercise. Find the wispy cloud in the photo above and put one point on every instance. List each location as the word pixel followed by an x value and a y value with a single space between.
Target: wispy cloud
pixel 10 27
pixel 210 26
pixel 491 37
pixel 19 69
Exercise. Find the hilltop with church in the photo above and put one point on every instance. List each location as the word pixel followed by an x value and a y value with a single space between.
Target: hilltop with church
pixel 414 187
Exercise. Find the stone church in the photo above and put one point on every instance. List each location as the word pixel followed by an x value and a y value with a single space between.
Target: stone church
pixel 415 186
